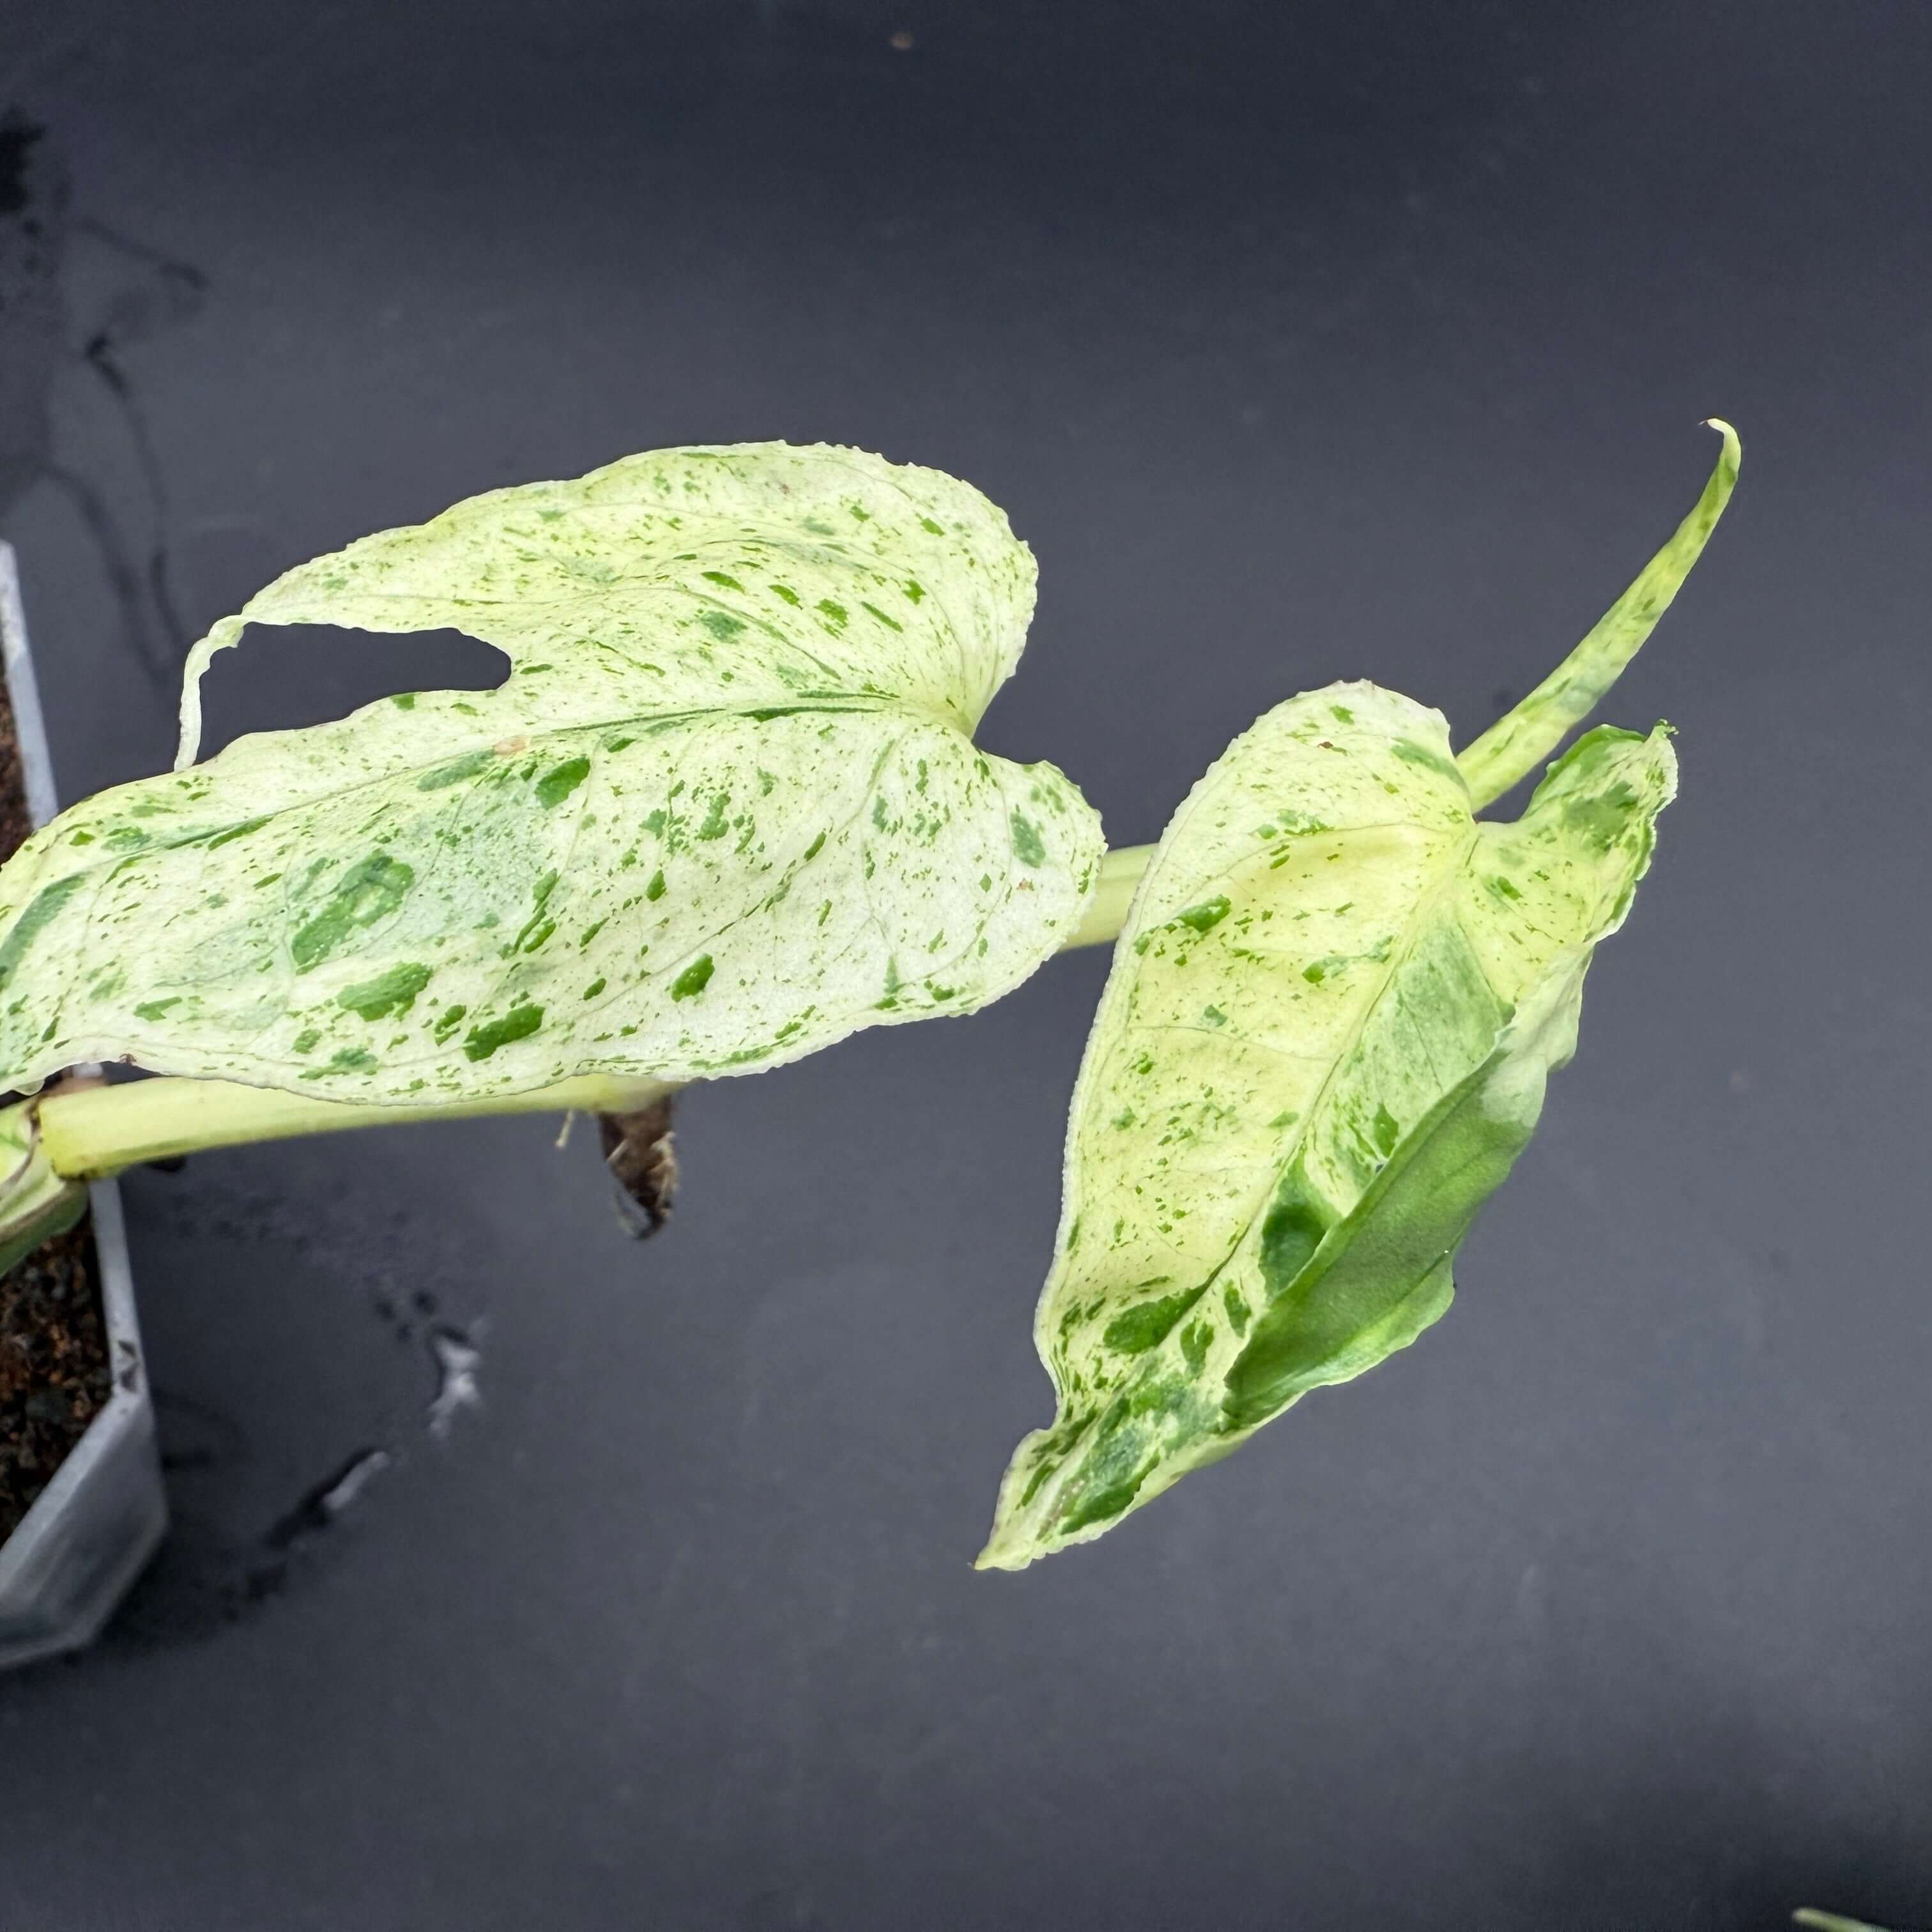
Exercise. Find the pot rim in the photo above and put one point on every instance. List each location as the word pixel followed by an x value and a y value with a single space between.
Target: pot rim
pixel 127 1409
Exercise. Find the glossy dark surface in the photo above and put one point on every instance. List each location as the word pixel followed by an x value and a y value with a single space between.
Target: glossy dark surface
pixel 1301 342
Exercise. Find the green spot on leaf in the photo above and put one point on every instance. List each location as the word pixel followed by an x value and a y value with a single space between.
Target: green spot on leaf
pixel 1205 916
pixel 393 991
pixel 1150 1323
pixel 560 781
pixel 369 891
pixel 1196 1339
pixel 693 979
pixel 519 1023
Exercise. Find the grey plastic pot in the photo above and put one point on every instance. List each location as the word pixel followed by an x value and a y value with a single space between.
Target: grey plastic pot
pixel 92 1529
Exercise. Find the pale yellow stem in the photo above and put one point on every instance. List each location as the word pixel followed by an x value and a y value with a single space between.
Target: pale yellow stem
pixel 1120 874
pixel 91 1131
pixel 99 1130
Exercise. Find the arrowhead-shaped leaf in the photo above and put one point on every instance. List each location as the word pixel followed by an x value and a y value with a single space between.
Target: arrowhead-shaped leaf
pixel 1323 1042
pixel 725 811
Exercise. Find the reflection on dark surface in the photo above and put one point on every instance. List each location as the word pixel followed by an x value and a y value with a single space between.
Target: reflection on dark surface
pixel 256 1486
pixel 41 341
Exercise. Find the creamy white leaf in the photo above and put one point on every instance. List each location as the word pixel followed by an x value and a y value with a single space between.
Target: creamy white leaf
pixel 1323 1041
pixel 726 810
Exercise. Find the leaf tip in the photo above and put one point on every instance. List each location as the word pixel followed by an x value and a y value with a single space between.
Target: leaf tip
pixel 1733 452
pixel 1000 1554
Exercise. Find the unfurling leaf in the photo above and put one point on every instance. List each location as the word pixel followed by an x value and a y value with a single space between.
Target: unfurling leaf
pixel 1322 1044
pixel 725 811
pixel 1514 745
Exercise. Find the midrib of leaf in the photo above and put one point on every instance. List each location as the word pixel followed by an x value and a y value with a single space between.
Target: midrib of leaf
pixel 1417 924
pixel 1451 876
pixel 484 736
pixel 1457 856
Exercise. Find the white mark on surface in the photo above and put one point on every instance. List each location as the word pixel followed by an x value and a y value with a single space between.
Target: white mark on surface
pixel 456 1360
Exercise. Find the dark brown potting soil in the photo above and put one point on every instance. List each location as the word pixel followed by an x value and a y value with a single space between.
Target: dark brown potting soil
pixel 54 1373
pixel 14 823
pixel 54 1377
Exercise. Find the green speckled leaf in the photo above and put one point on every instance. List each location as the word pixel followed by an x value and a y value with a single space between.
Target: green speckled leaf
pixel 726 810
pixel 1322 1044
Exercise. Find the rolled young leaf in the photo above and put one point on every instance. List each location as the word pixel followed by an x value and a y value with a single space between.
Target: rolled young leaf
pixel 1513 746
pixel 725 811
pixel 1322 1044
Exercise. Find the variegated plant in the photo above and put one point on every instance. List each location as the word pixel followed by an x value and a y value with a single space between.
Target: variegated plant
pixel 727 809
pixel 1323 1041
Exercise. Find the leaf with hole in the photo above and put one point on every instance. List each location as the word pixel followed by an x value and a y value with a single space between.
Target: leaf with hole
pixel 726 809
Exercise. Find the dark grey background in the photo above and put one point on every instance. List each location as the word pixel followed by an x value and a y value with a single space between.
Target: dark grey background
pixel 1302 341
